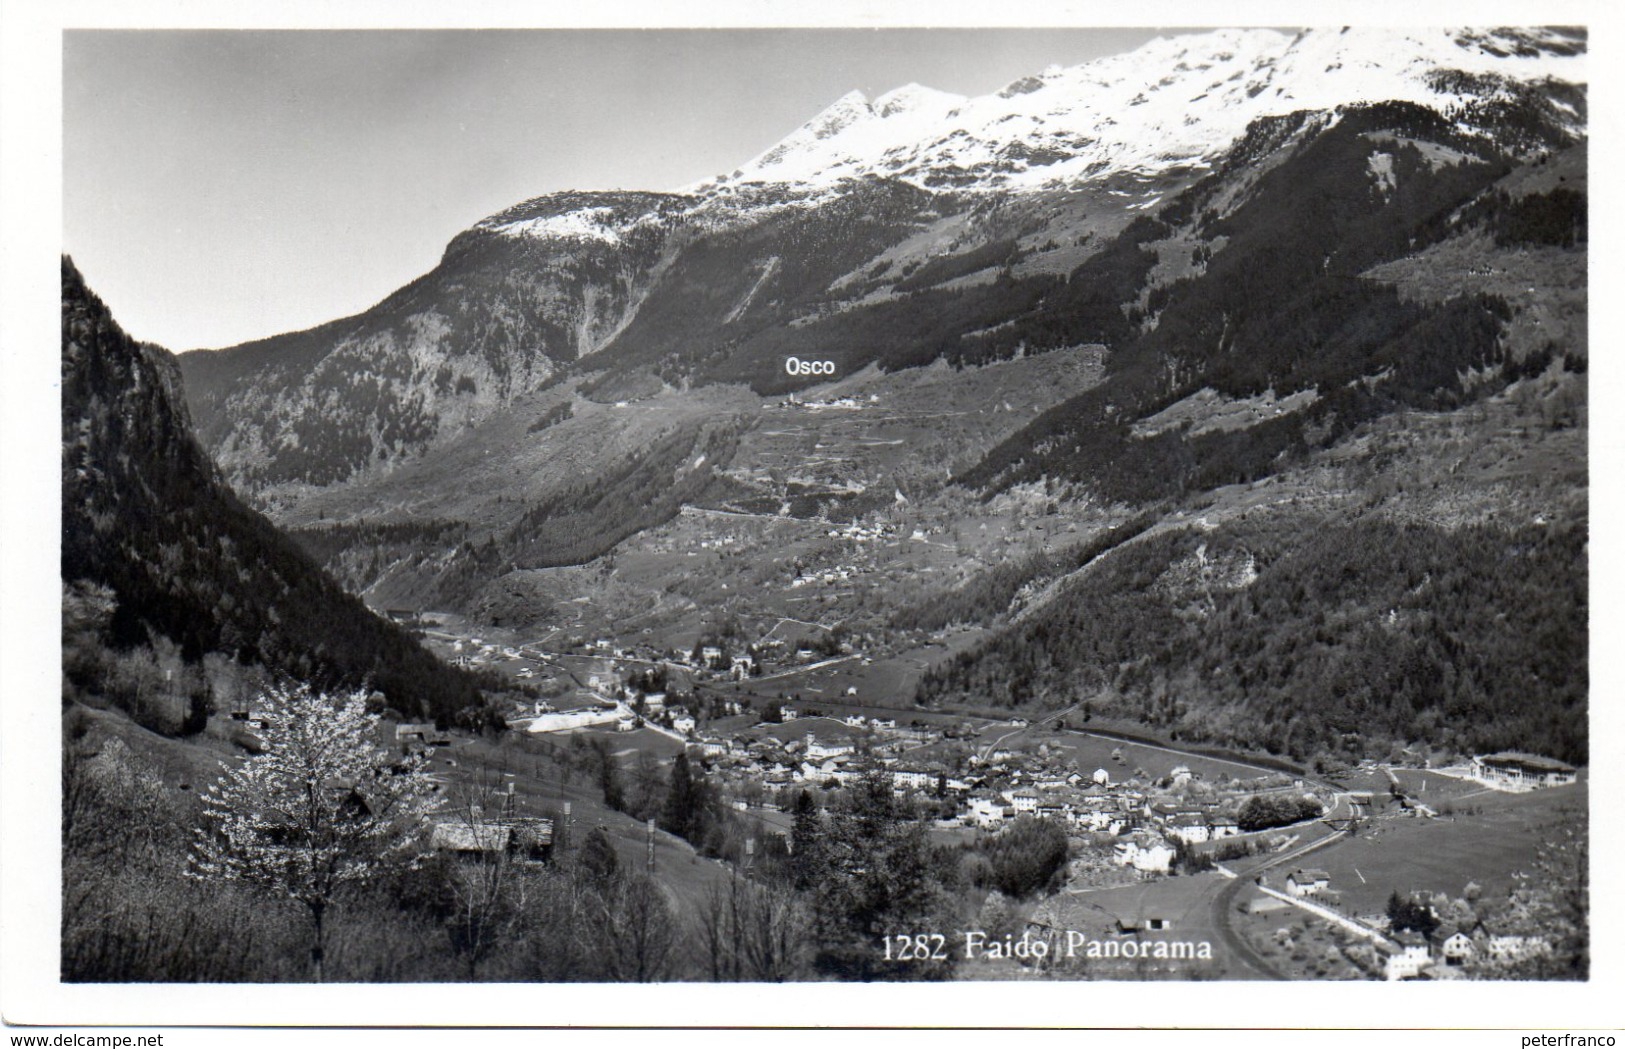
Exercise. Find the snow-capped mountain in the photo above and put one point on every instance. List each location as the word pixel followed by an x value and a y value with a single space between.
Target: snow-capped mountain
pixel 1175 101
pixel 900 230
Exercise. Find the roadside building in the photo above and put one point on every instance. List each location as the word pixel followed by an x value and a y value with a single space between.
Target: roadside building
pixel 1311 882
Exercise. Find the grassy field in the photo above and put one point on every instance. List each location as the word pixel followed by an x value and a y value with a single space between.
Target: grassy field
pixel 1490 837
pixel 472 770
pixel 1092 752
pixel 1184 904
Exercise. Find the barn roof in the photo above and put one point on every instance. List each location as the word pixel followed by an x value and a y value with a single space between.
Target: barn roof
pixel 467 837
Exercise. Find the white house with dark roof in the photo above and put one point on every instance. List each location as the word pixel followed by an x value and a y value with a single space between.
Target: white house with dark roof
pixel 1309 882
pixel 1190 828
pixel 1408 956
pixel 1023 801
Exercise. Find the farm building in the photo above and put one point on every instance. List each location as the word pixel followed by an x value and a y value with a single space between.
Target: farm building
pixel 1307 882
pixel 522 838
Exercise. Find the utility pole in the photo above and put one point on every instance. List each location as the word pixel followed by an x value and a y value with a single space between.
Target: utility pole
pixel 564 839
pixel 651 846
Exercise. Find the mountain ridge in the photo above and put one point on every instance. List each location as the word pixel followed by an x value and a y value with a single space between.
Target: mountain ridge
pixel 149 522
pixel 724 285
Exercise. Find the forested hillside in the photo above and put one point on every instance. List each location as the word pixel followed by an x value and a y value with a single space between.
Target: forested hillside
pixel 158 552
pixel 1315 636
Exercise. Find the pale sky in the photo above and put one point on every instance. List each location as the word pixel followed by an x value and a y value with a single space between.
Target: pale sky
pixel 227 185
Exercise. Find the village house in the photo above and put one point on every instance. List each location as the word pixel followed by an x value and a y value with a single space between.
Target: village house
pixel 683 723
pixel 912 779
pixel 816 750
pixel 1023 801
pixel 1145 852
pixel 1309 882
pixel 1101 821
pixel 986 813
pixel 1189 828
pixel 1408 956
pixel 1450 945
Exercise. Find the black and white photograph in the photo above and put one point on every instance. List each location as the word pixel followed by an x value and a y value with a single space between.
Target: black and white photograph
pixel 821 504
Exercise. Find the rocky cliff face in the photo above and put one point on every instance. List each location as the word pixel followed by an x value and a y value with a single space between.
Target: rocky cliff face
pixel 147 518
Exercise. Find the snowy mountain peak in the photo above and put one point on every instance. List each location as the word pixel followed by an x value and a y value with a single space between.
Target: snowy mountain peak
pixel 847 110
pixel 1177 100
pixel 914 98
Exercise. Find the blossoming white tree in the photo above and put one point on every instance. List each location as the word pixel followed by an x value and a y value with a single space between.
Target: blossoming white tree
pixel 324 807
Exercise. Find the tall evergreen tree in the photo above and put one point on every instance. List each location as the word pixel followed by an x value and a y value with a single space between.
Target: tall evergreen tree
pixel 806 842
pixel 880 878
pixel 682 813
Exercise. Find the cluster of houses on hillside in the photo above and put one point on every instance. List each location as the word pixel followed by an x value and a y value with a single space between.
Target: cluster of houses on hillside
pixel 1149 821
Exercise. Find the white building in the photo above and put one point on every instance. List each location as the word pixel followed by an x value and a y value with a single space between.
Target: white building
pixel 1145 852
pixel 986 813
pixel 1408 958
pixel 1310 882
pixel 912 779
pixel 1023 801
pixel 1189 828
pixel 1514 770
